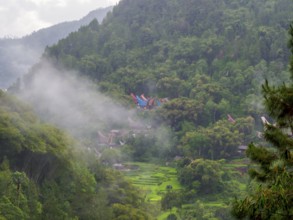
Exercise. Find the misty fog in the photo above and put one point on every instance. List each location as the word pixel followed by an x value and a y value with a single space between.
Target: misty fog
pixel 72 102
pixel 16 59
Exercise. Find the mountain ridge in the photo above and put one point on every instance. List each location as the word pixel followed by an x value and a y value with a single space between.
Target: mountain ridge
pixel 13 62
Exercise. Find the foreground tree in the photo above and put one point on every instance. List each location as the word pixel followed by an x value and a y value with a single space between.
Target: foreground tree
pixel 273 199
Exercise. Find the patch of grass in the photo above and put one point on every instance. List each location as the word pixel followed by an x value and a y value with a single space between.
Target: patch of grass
pixel 153 179
pixel 164 215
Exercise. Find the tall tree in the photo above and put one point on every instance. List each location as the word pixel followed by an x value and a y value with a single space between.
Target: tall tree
pixel 273 199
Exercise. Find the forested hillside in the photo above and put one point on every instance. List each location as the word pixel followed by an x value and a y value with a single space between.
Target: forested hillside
pixel 45 174
pixel 272 197
pixel 207 58
pixel 215 53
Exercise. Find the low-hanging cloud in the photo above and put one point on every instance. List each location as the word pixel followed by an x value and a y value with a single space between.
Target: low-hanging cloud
pixel 72 102
pixel 14 63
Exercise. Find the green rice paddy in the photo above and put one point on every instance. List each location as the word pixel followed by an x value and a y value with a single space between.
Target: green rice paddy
pixel 152 179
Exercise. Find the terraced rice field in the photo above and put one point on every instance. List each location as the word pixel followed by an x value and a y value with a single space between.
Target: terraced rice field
pixel 153 179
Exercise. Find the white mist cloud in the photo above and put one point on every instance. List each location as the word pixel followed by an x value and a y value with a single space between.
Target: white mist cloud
pixel 16 60
pixel 73 103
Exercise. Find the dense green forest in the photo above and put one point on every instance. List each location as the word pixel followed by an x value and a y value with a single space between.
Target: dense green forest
pixel 215 54
pixel 208 58
pixel 273 198
pixel 46 174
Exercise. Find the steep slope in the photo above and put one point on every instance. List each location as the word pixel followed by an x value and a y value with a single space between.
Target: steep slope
pixel 45 174
pixel 167 48
pixel 210 58
pixel 18 55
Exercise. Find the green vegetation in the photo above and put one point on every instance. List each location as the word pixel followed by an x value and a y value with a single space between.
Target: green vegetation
pixel 153 179
pixel 210 59
pixel 161 188
pixel 44 174
pixel 273 197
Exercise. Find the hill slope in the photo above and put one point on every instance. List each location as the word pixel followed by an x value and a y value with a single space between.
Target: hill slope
pixel 18 55
pixel 208 58
pixel 45 174
pixel 170 48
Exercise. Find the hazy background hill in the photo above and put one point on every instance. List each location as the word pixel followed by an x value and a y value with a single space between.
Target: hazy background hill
pixel 18 55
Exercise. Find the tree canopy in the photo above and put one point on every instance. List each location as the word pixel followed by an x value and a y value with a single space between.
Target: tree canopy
pixel 273 198
pixel 46 174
